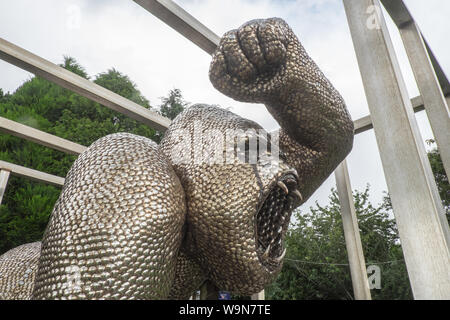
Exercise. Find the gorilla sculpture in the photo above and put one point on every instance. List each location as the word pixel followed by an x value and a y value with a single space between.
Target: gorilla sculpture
pixel 137 220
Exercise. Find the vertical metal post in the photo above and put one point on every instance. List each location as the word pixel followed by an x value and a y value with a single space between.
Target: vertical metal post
pixel 203 291
pixel 258 296
pixel 415 199
pixel 447 99
pixel 351 233
pixel 4 175
pixel 429 87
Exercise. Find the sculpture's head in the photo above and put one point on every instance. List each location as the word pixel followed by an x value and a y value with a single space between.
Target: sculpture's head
pixel 239 203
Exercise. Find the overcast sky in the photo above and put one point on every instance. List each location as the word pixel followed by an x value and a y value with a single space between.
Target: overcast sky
pixel 102 34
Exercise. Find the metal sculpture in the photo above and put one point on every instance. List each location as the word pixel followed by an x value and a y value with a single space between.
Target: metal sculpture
pixel 140 221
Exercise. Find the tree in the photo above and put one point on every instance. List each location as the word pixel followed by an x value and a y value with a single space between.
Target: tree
pixel 172 105
pixel 316 263
pixel 43 105
pixel 440 177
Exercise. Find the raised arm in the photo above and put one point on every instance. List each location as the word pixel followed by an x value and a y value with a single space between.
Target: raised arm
pixel 263 62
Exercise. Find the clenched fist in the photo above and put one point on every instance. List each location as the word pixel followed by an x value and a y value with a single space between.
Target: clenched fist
pixel 255 62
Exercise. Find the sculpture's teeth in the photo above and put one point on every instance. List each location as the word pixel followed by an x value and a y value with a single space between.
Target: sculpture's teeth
pixel 283 186
pixel 298 194
pixel 266 253
pixel 282 256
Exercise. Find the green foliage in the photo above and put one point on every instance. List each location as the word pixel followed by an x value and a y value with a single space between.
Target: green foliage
pixel 73 66
pixel 25 212
pixel 122 85
pixel 441 178
pixel 316 263
pixel 45 106
pixel 173 104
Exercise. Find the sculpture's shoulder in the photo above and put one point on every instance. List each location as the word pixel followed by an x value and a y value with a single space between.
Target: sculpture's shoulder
pixel 201 111
pixel 211 117
pixel 118 148
pixel 113 156
pixel 123 140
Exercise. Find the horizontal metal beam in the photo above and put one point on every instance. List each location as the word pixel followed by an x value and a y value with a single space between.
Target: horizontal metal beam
pixel 40 137
pixel 177 18
pixel 69 80
pixel 365 123
pixel 31 173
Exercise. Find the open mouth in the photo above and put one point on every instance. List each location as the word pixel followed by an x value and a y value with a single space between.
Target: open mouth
pixel 272 220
